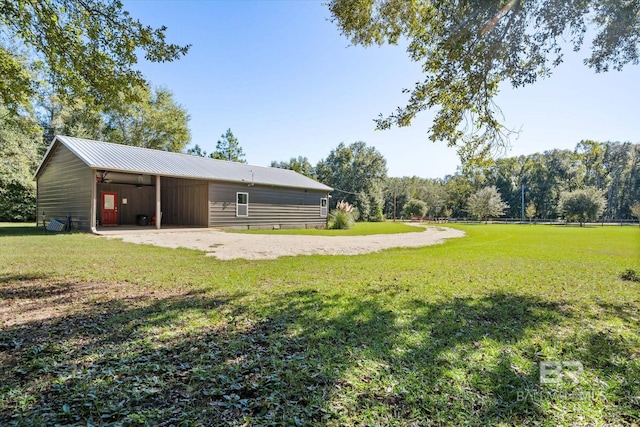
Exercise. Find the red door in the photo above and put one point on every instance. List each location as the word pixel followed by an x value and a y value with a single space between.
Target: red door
pixel 109 208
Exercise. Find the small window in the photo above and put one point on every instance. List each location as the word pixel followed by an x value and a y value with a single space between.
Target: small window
pixel 324 203
pixel 242 204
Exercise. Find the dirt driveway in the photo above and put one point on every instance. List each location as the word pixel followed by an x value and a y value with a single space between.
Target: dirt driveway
pixel 227 246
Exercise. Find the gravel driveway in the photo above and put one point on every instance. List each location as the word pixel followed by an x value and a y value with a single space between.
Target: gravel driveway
pixel 227 246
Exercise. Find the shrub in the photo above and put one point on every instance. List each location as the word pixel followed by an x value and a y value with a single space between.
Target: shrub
pixel 341 218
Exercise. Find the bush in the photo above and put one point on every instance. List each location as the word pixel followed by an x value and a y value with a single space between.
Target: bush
pixel 17 202
pixel 341 218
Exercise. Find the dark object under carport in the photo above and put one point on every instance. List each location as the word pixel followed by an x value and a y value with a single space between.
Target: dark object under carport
pixel 142 219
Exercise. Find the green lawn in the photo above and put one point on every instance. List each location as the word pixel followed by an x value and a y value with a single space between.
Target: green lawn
pixel 359 229
pixel 101 332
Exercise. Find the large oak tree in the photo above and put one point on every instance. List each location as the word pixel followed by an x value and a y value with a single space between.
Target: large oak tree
pixel 468 48
pixel 87 47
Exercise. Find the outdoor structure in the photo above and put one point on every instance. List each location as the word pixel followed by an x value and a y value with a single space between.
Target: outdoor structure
pixel 99 183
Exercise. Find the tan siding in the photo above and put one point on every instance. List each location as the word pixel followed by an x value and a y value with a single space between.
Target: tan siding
pixel 184 202
pixel 64 188
pixel 267 206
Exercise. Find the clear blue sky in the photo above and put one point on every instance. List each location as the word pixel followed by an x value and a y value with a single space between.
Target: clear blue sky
pixel 281 76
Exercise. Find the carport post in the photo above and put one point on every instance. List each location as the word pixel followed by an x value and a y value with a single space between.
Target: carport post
pixel 158 207
pixel 93 223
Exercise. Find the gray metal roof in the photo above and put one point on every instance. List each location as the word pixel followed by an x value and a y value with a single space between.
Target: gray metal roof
pixel 126 158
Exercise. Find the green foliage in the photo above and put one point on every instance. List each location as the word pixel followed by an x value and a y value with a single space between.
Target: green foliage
pixel 450 334
pixel 467 49
pixel 358 173
pixel 486 203
pixel 613 166
pixel 299 164
pixel 635 210
pixel 414 208
pixel 530 211
pixel 89 49
pixel 196 150
pixel 582 205
pixel 19 146
pixel 17 201
pixel 228 148
pixel 341 218
pixel 155 122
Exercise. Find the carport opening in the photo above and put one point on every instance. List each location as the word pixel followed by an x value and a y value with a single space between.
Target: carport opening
pixel 125 199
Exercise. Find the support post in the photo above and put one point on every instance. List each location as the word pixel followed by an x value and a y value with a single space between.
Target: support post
pixel 93 218
pixel 522 202
pixel 395 201
pixel 158 207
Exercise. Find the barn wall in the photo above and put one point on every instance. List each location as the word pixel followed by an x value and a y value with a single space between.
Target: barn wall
pixel 184 201
pixel 64 188
pixel 268 206
pixel 140 201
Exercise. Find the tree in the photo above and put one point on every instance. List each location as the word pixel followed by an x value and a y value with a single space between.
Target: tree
pixel 70 117
pixel 458 189
pixel 357 173
pixel 486 203
pixel 19 142
pixel 468 48
pixel 196 150
pixel 299 164
pixel 582 205
pixel 530 211
pixel 616 161
pixel 89 48
pixel 635 211
pixel 228 148
pixel 414 208
pixel 154 122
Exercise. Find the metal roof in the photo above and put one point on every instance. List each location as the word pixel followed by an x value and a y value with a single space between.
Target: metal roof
pixel 125 158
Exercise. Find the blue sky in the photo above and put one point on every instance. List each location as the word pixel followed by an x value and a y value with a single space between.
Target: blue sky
pixel 281 76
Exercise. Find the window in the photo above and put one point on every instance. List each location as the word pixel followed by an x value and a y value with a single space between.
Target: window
pixel 324 204
pixel 242 204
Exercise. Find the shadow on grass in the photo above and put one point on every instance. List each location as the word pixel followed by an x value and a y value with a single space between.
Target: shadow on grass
pixel 8 278
pixel 24 230
pixel 298 358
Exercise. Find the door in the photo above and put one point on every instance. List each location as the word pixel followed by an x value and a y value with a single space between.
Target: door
pixel 109 208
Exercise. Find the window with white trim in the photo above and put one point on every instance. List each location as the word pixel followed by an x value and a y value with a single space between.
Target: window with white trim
pixel 324 207
pixel 242 204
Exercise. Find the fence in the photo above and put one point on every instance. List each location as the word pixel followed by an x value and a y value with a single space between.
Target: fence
pixel 536 221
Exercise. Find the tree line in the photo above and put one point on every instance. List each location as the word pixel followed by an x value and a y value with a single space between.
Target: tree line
pixel 603 172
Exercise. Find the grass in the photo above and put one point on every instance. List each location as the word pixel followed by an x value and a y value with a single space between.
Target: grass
pixel 359 229
pixel 101 332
